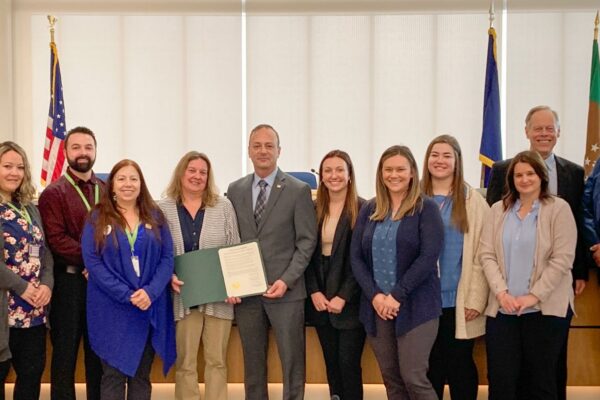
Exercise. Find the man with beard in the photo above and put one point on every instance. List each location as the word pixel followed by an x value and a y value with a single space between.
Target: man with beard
pixel 64 206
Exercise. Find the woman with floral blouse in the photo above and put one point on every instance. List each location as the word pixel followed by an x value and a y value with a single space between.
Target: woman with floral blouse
pixel 26 272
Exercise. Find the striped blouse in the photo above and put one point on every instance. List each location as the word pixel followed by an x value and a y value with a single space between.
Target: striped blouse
pixel 219 228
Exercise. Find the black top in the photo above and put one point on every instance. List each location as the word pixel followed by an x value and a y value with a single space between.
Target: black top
pixel 190 227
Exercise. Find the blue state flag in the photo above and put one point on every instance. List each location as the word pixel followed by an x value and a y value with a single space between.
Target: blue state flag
pixel 490 150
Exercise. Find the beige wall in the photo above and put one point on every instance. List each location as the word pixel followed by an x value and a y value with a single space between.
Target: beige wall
pixel 6 101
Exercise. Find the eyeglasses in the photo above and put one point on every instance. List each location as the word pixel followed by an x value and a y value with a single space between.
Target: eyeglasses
pixel 540 129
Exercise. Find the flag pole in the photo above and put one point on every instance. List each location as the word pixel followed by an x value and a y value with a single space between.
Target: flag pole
pixel 596 22
pixel 52 20
pixel 491 17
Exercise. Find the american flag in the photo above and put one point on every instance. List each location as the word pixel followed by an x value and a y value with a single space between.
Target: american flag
pixel 54 157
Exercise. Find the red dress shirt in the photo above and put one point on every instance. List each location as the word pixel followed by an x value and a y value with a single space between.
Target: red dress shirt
pixel 63 216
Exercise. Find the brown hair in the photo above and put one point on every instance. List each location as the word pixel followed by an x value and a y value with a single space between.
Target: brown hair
pixel 534 159
pixel 351 203
pixel 413 199
pixel 174 190
pixel 459 207
pixel 82 130
pixel 107 213
pixel 264 126
pixel 26 191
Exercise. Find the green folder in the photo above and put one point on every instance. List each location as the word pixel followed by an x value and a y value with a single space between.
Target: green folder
pixel 202 275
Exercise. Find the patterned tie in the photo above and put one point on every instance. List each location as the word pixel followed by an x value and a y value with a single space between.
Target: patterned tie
pixel 261 201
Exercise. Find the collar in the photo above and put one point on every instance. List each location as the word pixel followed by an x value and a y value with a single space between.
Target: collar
pixel 270 179
pixel 93 180
pixel 517 206
pixel 551 162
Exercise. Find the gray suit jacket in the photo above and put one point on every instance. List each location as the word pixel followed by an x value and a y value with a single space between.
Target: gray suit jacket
pixel 287 233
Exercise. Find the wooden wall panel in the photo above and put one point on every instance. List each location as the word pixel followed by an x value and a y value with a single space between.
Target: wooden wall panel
pixel 584 352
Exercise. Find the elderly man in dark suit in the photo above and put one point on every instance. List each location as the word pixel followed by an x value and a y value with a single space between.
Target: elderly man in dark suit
pixel 276 209
pixel 542 128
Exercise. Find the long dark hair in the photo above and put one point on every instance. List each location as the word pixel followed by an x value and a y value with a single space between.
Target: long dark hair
pixel 351 203
pixel 106 212
pixel 459 208
pixel 534 159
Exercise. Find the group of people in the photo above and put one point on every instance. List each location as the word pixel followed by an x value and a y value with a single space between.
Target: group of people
pixel 419 271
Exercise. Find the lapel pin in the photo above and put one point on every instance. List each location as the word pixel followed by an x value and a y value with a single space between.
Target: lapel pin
pixel 278 186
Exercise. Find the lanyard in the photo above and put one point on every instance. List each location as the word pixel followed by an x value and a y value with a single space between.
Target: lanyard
pixel 24 214
pixel 83 198
pixel 132 236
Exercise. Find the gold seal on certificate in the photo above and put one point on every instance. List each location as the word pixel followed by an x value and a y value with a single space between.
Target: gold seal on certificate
pixel 243 270
pixel 212 275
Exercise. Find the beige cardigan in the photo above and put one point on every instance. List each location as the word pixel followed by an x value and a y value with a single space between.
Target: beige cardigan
pixel 551 280
pixel 472 289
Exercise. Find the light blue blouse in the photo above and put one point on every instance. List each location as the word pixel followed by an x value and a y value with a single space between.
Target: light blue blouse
pixel 451 256
pixel 519 241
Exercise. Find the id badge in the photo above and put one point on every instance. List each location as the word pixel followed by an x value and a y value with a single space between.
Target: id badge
pixel 34 250
pixel 136 265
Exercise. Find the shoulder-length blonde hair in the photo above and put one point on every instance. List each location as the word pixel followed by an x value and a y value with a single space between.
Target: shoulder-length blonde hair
pixel 459 207
pixel 351 202
pixel 26 190
pixel 174 190
pixel 383 202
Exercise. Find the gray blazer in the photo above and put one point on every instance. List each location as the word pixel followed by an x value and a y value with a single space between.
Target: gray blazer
pixel 11 281
pixel 287 233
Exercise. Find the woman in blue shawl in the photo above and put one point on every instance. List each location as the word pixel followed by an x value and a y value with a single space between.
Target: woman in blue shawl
pixel 128 251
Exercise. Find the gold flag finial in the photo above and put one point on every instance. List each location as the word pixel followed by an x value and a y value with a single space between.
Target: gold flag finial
pixel 52 20
pixel 492 16
pixel 596 22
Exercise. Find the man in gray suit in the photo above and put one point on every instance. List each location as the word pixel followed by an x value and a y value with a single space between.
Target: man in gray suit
pixel 276 209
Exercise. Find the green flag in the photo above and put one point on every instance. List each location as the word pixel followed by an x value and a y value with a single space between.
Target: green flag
pixel 592 145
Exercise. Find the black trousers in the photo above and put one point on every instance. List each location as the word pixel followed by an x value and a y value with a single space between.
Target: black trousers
pixel 451 361
pixel 561 372
pixel 342 350
pixel 115 383
pixel 68 325
pixel 530 342
pixel 4 368
pixel 28 348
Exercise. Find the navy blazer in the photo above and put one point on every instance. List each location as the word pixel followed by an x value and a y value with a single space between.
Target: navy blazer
pixel 339 280
pixel 569 179
pixel 419 242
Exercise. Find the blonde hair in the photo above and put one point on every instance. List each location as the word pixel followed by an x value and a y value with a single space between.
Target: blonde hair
pixel 26 190
pixel 411 202
pixel 174 190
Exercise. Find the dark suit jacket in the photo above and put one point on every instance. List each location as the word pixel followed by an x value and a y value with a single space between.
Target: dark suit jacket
pixel 339 280
pixel 287 232
pixel 570 188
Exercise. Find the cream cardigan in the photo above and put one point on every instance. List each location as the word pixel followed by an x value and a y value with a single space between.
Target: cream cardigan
pixel 551 280
pixel 472 289
pixel 219 228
